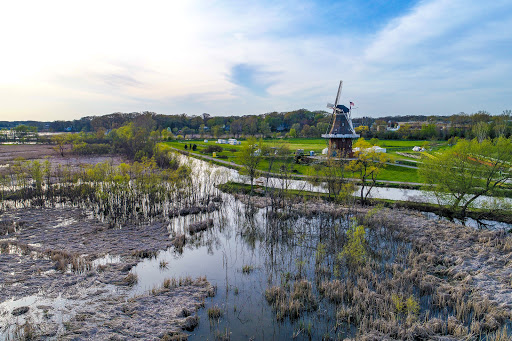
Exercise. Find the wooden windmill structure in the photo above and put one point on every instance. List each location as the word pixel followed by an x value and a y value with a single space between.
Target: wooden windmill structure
pixel 342 131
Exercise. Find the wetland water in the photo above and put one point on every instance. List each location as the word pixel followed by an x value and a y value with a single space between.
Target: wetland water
pixel 236 242
pixel 248 251
pixel 377 192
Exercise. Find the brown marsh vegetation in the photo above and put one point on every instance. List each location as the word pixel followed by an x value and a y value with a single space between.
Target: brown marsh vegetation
pixel 402 277
pixel 358 272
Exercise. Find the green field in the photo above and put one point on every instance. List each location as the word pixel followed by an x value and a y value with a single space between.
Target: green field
pixel 391 172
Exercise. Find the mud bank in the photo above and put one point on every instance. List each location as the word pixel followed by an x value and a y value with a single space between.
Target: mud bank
pixel 42 152
pixel 66 274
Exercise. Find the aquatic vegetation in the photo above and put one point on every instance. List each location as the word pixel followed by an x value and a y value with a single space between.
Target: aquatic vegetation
pixel 136 192
pixel 354 250
pixel 247 269
pixel 200 226
pixel 130 279
pixel 387 279
pixel 214 313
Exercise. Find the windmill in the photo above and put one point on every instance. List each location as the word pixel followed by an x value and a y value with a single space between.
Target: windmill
pixel 342 130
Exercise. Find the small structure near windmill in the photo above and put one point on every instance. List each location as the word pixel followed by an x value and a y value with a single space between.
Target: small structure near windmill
pixel 342 130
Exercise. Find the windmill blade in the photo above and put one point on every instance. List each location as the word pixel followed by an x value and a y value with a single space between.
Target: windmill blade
pixel 330 105
pixel 338 95
pixel 349 120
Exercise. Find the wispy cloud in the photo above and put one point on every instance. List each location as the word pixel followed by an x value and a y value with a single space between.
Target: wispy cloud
pixel 252 77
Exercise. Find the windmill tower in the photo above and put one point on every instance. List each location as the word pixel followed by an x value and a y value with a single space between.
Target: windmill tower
pixel 342 131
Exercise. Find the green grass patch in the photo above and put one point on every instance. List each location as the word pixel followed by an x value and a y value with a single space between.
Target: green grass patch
pixel 390 173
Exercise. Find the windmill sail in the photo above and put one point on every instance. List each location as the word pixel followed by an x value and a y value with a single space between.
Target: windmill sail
pixel 342 130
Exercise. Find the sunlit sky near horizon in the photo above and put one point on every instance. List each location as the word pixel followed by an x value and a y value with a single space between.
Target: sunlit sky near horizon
pixel 62 60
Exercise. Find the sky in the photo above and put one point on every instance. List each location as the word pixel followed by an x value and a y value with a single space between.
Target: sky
pixel 62 60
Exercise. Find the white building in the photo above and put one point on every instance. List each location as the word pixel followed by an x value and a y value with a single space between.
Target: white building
pixel 375 149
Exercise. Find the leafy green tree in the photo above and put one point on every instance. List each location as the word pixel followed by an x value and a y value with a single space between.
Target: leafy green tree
pixel 323 127
pixel 264 128
pixel 250 158
pixel 428 131
pixel 332 172
pixel 60 140
pixel 292 133
pixel 217 131
pixel 274 152
pixel 458 176
pixel 305 130
pixel 367 166
pixel 236 127
pixel 481 131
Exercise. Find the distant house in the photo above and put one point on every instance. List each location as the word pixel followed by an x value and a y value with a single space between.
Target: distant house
pixel 221 141
pixel 234 142
pixel 393 126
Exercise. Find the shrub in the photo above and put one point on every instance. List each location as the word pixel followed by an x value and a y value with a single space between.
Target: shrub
pixel 354 250
pixel 412 306
pixel 212 148
pixel 90 149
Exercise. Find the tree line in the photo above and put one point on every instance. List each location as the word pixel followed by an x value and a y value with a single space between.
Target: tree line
pixel 297 123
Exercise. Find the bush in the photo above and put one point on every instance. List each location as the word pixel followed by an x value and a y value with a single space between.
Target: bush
pixel 211 149
pixel 90 149
pixel 354 250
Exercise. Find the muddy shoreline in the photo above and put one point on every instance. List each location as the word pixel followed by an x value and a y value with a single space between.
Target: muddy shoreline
pixel 60 256
pixel 43 152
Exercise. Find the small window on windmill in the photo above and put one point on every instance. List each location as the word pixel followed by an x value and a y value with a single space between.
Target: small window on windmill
pixel 343 124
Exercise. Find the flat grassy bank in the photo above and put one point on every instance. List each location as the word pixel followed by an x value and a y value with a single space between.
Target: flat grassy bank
pixel 478 214
pixel 231 153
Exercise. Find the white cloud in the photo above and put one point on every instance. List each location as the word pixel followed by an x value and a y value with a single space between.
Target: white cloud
pixel 63 60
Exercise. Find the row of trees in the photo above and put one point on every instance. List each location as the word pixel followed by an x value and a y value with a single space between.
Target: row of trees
pixel 479 125
pixel 298 123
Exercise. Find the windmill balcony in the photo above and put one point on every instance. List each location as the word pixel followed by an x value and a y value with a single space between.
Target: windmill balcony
pixel 340 136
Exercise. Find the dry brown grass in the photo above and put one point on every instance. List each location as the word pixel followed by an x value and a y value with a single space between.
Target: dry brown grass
pixel 131 279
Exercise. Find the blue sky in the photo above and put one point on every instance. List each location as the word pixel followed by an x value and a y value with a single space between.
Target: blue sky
pixel 61 60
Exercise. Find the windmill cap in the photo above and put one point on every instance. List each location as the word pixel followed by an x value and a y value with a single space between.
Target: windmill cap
pixel 342 108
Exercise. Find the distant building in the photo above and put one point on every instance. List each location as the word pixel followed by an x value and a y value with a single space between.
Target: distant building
pixel 376 149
